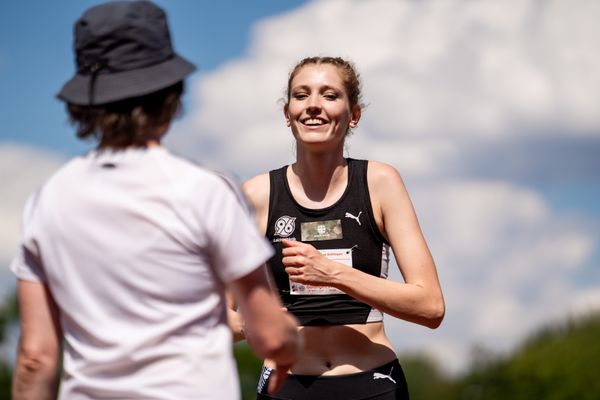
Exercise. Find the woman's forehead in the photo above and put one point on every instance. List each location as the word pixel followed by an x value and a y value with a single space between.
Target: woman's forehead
pixel 318 74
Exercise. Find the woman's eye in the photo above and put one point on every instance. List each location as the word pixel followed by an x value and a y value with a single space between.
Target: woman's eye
pixel 331 96
pixel 299 96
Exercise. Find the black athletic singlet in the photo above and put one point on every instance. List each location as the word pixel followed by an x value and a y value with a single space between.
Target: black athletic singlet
pixel 345 231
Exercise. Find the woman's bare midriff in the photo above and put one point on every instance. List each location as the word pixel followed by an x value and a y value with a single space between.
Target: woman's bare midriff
pixel 342 349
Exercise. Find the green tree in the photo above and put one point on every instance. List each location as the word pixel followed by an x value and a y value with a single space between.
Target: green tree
pixel 424 378
pixel 249 367
pixel 559 362
pixel 8 314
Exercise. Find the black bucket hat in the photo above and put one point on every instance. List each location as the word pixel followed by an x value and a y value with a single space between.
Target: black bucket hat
pixel 123 49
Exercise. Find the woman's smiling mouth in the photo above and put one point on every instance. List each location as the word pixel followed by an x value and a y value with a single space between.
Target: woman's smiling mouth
pixel 314 122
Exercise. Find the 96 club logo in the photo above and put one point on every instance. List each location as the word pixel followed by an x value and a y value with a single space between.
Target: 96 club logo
pixel 285 226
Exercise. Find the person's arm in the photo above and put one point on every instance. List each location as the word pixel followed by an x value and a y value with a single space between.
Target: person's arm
pixel 270 331
pixel 38 355
pixel 256 191
pixel 419 298
pixel 234 319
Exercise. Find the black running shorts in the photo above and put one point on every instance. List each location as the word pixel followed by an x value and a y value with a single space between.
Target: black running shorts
pixel 386 382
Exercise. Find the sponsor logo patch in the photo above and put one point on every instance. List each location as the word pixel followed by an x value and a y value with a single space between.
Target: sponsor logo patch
pixel 321 230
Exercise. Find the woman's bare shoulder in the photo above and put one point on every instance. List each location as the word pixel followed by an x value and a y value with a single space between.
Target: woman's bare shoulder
pixel 257 189
pixel 380 174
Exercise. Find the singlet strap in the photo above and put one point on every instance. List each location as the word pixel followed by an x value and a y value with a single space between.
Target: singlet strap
pixel 276 180
pixel 360 180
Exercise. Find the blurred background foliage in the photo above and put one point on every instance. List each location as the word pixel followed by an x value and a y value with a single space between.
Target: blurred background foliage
pixel 558 362
pixel 9 313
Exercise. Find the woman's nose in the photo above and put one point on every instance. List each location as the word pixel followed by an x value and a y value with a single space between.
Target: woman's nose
pixel 313 105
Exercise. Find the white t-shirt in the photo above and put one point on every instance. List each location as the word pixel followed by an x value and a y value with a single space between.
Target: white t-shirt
pixel 135 246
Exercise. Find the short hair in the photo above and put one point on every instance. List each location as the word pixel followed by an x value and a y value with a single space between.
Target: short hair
pixel 127 122
pixel 350 77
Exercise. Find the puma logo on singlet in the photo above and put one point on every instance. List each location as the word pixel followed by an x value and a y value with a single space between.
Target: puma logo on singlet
pixel 378 375
pixel 348 215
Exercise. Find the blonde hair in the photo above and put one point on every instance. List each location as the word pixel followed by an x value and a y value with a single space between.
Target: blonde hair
pixel 350 77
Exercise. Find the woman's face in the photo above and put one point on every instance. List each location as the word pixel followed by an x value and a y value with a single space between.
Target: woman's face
pixel 318 110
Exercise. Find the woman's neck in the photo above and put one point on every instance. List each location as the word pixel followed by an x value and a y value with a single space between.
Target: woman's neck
pixel 318 179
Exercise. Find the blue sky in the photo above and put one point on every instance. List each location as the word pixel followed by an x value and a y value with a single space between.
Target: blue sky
pixel 36 56
pixel 488 109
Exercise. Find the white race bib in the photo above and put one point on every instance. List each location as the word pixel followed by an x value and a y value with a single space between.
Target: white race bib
pixel 343 256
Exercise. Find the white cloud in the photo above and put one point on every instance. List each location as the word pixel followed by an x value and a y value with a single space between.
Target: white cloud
pixel 22 170
pixel 585 302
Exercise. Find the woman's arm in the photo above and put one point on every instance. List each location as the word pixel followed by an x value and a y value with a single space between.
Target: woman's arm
pixel 38 356
pixel 419 299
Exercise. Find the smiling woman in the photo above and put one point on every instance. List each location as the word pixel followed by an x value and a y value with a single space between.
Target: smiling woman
pixel 332 221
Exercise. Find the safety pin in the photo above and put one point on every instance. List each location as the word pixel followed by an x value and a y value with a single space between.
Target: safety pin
pixel 351 249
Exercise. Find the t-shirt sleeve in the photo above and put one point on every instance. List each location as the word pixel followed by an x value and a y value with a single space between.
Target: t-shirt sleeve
pixel 27 264
pixel 236 246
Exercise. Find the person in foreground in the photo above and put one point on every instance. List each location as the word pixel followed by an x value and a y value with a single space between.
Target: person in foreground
pixel 126 251
pixel 332 221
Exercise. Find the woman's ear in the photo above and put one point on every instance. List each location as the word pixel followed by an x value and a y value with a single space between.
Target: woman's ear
pixel 286 114
pixel 356 113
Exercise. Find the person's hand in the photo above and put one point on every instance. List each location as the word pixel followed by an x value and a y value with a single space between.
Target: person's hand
pixel 270 332
pixel 282 366
pixel 307 265
pixel 278 376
